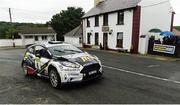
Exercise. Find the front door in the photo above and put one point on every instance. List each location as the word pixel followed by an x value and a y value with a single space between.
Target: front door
pixel 105 41
pixel 44 59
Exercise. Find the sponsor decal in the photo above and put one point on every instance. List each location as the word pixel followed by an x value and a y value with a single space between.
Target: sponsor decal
pixel 164 48
pixel 26 56
pixel 85 58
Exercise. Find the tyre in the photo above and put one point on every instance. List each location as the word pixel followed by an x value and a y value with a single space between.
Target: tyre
pixel 24 67
pixel 54 78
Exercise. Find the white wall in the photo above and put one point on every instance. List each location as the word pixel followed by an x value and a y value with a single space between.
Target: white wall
pixel 112 39
pixel 73 40
pixel 157 16
pixel 9 42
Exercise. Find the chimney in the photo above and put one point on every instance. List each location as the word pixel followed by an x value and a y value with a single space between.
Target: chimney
pixel 96 2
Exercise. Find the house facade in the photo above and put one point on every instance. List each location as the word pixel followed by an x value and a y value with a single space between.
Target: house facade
pixel 118 24
pixel 74 37
pixel 37 35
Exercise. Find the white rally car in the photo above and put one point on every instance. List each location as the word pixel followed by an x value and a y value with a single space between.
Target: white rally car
pixel 61 62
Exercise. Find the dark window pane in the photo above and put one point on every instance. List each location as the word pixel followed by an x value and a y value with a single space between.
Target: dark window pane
pixel 36 38
pixel 96 20
pixel 44 37
pixel 119 39
pixel 105 19
pixel 96 38
pixel 88 38
pixel 88 22
pixel 120 18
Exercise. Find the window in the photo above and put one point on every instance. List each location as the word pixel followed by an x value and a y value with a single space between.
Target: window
pixel 64 50
pixel 31 50
pixel 28 37
pixel 88 22
pixel 80 40
pixel 120 18
pixel 96 38
pixel 105 19
pixel 44 37
pixel 36 38
pixel 42 52
pixel 119 39
pixel 88 38
pixel 96 20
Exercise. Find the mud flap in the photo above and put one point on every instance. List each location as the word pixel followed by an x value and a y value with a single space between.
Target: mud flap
pixel 30 70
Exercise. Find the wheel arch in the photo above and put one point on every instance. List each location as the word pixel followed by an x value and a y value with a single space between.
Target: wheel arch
pixel 53 65
pixel 50 67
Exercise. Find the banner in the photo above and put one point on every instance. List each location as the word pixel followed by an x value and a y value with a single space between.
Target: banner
pixel 164 48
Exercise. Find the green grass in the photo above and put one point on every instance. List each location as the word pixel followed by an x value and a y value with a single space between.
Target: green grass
pixel 177 27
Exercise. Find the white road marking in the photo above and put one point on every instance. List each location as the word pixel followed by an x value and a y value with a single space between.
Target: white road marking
pixel 151 66
pixel 141 74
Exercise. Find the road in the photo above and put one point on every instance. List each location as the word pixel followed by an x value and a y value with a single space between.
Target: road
pixel 127 79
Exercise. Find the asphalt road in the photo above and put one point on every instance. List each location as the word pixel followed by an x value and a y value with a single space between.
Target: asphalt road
pixel 126 80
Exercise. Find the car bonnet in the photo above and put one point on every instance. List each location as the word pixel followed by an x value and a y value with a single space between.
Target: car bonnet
pixel 83 59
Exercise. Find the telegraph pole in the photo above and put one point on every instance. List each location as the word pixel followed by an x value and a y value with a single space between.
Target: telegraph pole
pixel 10 15
pixel 11 26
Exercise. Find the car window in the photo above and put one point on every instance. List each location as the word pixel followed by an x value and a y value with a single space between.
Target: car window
pixel 42 52
pixel 64 50
pixel 31 50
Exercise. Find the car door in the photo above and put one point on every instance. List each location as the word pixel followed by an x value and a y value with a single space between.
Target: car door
pixel 29 58
pixel 43 59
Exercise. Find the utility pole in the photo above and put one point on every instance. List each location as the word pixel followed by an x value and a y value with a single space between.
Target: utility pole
pixel 11 26
pixel 10 15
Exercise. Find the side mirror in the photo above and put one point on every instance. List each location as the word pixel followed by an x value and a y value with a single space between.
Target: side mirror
pixel 38 55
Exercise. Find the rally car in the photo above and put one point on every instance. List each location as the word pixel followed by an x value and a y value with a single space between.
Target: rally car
pixel 61 62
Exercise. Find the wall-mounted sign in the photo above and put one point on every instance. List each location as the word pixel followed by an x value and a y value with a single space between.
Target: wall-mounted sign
pixel 105 28
pixel 164 48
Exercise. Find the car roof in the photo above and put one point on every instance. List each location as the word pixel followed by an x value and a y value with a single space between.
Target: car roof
pixel 55 43
pixel 51 44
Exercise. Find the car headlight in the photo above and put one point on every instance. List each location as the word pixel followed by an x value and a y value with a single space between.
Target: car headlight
pixel 97 59
pixel 70 64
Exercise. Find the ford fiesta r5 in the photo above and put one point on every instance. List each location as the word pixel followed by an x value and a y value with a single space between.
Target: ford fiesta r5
pixel 61 62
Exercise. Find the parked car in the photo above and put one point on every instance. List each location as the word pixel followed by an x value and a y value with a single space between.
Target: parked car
pixel 61 62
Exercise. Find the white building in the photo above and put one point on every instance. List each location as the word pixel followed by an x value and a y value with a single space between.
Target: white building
pixel 37 35
pixel 119 24
pixel 74 37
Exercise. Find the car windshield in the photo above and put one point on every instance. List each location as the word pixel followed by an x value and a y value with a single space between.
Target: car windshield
pixel 64 50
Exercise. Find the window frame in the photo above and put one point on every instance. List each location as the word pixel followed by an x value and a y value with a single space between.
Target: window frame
pixel 31 52
pixel 43 37
pixel 105 19
pixel 119 42
pixel 96 35
pixel 96 20
pixel 36 37
pixel 48 55
pixel 88 22
pixel 120 18
pixel 88 38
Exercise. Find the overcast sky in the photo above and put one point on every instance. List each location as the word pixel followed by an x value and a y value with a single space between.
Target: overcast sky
pixel 40 11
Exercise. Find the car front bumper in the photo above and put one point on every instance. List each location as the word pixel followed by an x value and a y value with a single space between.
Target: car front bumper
pixel 78 78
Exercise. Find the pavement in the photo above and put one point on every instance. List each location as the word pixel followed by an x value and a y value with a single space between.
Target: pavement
pixel 157 57
pixel 126 80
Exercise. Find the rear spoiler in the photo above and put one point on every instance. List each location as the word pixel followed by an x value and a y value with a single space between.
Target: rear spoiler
pixel 28 45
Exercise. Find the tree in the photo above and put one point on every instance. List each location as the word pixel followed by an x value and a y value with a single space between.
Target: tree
pixel 8 29
pixel 66 21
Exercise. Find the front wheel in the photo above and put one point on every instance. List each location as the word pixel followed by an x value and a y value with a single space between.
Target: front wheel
pixel 54 78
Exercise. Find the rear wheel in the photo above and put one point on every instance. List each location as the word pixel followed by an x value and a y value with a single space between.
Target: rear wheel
pixel 24 67
pixel 54 78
